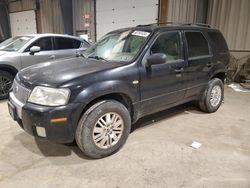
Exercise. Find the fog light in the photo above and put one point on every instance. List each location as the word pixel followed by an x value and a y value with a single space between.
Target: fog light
pixel 41 131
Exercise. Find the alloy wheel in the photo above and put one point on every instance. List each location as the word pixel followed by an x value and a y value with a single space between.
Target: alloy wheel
pixel 108 130
pixel 5 85
pixel 215 96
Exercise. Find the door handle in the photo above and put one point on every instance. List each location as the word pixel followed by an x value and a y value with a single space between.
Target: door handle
pixel 178 71
pixel 209 64
pixel 52 57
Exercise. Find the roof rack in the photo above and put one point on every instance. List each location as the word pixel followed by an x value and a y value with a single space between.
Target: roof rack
pixel 202 25
pixel 143 25
pixel 176 23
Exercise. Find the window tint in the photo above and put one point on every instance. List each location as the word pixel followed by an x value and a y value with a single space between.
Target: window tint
pixel 197 44
pixel 219 43
pixel 76 43
pixel 44 43
pixel 62 43
pixel 169 44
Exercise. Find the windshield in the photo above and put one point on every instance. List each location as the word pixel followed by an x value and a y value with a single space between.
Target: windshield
pixel 15 43
pixel 118 46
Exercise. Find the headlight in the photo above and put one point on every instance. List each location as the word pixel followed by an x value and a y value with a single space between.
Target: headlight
pixel 49 96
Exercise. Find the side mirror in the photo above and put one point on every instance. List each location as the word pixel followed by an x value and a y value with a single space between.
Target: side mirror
pixel 80 51
pixel 155 59
pixel 84 48
pixel 35 49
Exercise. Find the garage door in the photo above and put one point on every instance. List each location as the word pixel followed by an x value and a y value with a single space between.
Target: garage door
pixel 115 14
pixel 23 23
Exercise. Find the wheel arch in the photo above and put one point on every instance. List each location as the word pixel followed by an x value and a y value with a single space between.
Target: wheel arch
pixel 10 69
pixel 120 97
pixel 220 75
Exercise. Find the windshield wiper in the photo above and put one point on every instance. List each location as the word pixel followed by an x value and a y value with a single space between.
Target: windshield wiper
pixel 98 58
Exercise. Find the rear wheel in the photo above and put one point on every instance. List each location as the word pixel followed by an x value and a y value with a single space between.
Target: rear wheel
pixel 6 80
pixel 103 129
pixel 212 97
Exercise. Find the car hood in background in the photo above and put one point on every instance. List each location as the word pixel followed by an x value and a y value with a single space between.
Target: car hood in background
pixel 6 53
pixel 59 72
pixel 2 52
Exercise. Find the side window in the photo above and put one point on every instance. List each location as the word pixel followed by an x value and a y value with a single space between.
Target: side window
pixel 62 43
pixel 170 44
pixel 44 43
pixel 76 43
pixel 218 41
pixel 197 44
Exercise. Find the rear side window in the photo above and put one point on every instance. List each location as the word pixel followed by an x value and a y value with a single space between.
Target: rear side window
pixel 197 44
pixel 170 44
pixel 218 41
pixel 62 43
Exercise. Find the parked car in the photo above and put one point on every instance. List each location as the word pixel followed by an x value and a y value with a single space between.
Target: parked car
pixel 127 74
pixel 23 51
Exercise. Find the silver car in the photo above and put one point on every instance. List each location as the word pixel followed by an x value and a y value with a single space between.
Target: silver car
pixel 22 51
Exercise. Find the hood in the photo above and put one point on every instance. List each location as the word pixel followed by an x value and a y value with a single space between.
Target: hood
pixel 59 72
pixel 2 52
pixel 8 53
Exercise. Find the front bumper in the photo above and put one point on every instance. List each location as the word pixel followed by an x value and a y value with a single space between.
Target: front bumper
pixel 36 119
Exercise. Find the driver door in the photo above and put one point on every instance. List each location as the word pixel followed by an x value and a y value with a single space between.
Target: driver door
pixel 46 53
pixel 162 84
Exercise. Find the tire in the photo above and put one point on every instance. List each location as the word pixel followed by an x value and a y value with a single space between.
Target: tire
pixel 6 80
pixel 95 136
pixel 212 97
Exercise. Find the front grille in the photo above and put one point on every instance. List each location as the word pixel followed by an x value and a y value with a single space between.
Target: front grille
pixel 20 92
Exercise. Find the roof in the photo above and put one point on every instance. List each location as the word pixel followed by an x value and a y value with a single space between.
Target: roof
pixel 169 25
pixel 49 34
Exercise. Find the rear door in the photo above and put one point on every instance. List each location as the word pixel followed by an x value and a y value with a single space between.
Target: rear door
pixel 46 53
pixel 162 84
pixel 200 63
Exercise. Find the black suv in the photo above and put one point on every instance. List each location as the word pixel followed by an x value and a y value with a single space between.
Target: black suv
pixel 127 74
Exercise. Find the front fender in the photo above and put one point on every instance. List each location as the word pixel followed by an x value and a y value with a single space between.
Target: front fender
pixel 10 60
pixel 100 89
pixel 6 67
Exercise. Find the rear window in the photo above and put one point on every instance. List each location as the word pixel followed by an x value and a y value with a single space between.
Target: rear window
pixel 62 43
pixel 218 41
pixel 197 44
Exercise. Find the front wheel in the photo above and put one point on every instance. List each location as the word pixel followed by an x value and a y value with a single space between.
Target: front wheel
pixel 212 97
pixel 103 129
pixel 6 80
